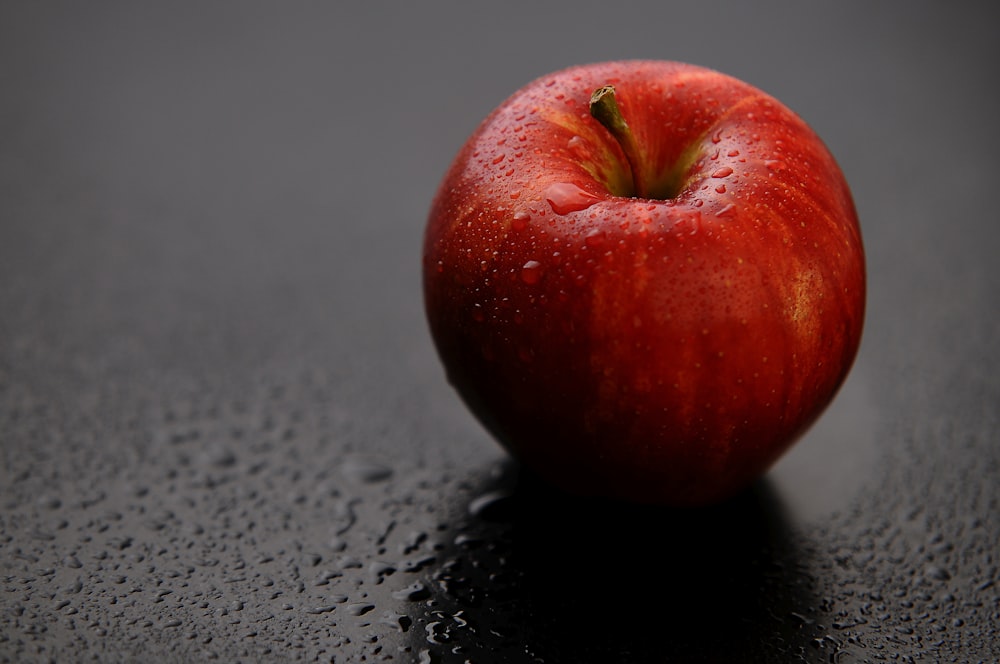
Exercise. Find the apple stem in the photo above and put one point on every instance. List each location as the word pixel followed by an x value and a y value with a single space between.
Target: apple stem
pixel 604 108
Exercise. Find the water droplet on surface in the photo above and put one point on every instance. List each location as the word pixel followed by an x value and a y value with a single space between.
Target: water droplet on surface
pixel 722 172
pixel 938 573
pixel 379 569
pixel 366 471
pixel 565 197
pixel 414 592
pixel 531 272
pixel 726 211
pixel 520 221
pixel 396 621
pixel 49 502
pixel 490 505
pixel 359 608
pixel 595 238
pixel 221 457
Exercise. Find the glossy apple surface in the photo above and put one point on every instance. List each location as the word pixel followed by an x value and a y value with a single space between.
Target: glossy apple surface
pixel 654 322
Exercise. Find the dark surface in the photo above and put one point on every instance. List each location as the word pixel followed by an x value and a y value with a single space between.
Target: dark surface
pixel 224 431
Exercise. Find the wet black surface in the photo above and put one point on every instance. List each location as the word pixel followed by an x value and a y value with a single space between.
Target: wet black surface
pixel 225 435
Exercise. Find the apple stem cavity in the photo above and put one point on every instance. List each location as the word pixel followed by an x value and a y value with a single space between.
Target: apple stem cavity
pixel 604 108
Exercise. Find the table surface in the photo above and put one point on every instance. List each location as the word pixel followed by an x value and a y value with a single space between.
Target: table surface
pixel 225 433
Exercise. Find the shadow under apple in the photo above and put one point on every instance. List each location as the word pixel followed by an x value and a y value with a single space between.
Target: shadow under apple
pixel 532 574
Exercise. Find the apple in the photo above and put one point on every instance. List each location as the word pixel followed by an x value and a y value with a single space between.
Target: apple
pixel 646 279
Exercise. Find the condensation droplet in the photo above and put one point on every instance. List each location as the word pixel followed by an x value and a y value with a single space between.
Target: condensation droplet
pixel 520 220
pixel 725 211
pixel 366 471
pixel 723 172
pixel 565 197
pixel 595 238
pixel 414 592
pixel 531 272
pixel 359 608
pixel 491 505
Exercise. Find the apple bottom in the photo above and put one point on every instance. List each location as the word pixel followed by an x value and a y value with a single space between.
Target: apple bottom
pixel 634 458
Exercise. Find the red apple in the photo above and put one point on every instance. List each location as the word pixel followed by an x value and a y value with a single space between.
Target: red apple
pixel 646 279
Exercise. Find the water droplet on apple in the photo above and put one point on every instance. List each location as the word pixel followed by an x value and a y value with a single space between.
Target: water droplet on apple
pixel 722 172
pixel 565 197
pixel 531 272
pixel 595 238
pixel 575 144
pixel 774 164
pixel 520 221
pixel 725 211
pixel 478 314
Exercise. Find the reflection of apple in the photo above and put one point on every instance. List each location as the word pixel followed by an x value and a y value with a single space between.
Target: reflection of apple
pixel 650 294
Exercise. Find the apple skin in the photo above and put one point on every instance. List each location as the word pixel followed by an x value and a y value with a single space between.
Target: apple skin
pixel 663 349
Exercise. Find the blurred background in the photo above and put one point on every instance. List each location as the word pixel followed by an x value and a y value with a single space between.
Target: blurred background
pixel 212 347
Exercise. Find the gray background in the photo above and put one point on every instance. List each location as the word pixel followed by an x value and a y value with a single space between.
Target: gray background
pixel 224 430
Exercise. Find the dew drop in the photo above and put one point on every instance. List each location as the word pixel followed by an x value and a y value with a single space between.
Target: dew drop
pixel 396 621
pixel 414 592
pixel 938 573
pixel 50 502
pixel 359 608
pixel 520 220
pixel 722 172
pixel 531 272
pixel 491 506
pixel 595 238
pixel 725 211
pixel 366 471
pixel 565 197
pixel 319 610
pixel 378 569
